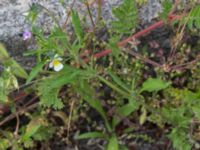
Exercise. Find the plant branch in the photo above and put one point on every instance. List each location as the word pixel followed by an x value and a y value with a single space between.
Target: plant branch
pixel 19 112
pixel 90 14
pixel 68 15
pixel 136 35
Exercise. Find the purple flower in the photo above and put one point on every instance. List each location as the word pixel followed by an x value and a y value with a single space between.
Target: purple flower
pixel 27 35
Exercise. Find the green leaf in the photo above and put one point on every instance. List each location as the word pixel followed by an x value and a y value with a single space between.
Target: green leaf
pixel 154 84
pixel 34 72
pixel 30 133
pixel 4 144
pixel 113 143
pixel 167 5
pixel 3 53
pixel 112 44
pixel 193 19
pixel 124 111
pixel 18 70
pixel 49 88
pixel 179 139
pixel 114 87
pixel 124 147
pixel 44 133
pixel 38 129
pixel 3 92
pixel 90 135
pixel 126 17
pixel 7 61
pixel 87 93
pixel 76 22
pixel 35 9
pixel 143 116
pixel 118 81
pixel 32 128
pixel 176 116
pixel 127 109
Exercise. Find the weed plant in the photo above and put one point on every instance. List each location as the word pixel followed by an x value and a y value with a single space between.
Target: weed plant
pixel 129 89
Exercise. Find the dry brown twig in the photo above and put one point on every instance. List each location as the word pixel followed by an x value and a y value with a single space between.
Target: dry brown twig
pixel 68 15
pixel 19 112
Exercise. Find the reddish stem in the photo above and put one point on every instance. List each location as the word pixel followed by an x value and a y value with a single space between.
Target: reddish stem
pixel 141 33
pixel 136 35
pixel 19 96
pixel 99 55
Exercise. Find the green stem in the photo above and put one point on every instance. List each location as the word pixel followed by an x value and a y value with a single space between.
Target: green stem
pixel 113 87
pixel 39 56
pixel 99 11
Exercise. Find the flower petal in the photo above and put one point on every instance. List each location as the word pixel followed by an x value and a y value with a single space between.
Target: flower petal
pixel 27 35
pixel 59 58
pixel 58 67
pixel 51 64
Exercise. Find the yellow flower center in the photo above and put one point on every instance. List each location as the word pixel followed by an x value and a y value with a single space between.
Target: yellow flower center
pixel 56 62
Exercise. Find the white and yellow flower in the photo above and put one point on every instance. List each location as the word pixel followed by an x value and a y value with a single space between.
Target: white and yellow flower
pixel 56 64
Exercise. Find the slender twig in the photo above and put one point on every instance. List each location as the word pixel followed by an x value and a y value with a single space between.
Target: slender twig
pixel 19 96
pixel 17 124
pixel 90 14
pixel 19 112
pixel 30 101
pixel 70 117
pixel 99 11
pixel 142 58
pixel 185 65
pixel 177 40
pixel 68 15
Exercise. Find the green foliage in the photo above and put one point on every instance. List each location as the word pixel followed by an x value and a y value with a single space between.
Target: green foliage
pixel 113 143
pixel 124 111
pixel 143 116
pixel 167 5
pixel 49 88
pixel 119 82
pixel 112 44
pixel 4 144
pixel 7 61
pixel 8 80
pixel 35 9
pixel 193 19
pixel 179 114
pixel 154 84
pixel 38 129
pixel 94 102
pixel 90 135
pixel 34 72
pixel 76 22
pixel 180 139
pixel 126 17
pixel 114 88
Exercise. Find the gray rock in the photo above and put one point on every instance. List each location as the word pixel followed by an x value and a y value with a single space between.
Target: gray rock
pixel 13 20
pixel 150 11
